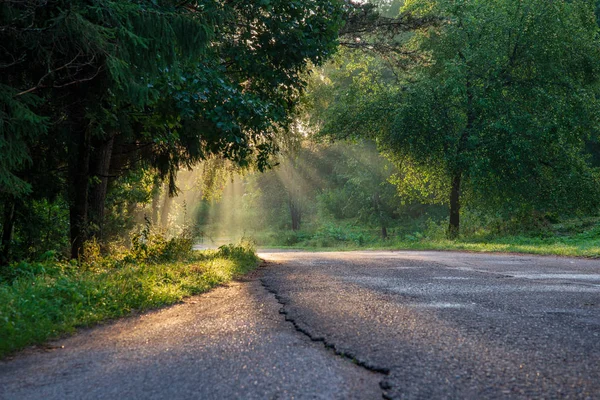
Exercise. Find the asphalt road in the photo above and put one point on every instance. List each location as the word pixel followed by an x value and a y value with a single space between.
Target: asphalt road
pixel 452 325
pixel 414 325
pixel 231 343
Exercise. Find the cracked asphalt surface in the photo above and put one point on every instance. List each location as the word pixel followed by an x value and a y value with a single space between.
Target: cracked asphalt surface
pixel 451 325
pixel 404 325
pixel 230 343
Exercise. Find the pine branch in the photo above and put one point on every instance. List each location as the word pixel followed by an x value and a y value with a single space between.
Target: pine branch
pixel 81 80
pixel 66 66
pixel 15 60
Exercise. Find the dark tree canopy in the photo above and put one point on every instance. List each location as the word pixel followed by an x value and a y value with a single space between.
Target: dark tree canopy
pixel 94 89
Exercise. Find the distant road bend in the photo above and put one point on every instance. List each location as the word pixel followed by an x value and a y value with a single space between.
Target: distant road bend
pixel 404 325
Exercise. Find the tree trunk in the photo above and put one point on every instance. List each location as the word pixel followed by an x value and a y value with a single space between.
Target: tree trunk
pixel 384 233
pixel 8 223
pixel 454 226
pixel 155 202
pixel 379 211
pixel 79 166
pixel 100 168
pixel 166 209
pixel 296 214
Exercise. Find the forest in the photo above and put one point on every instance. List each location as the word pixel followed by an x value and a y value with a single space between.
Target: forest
pixel 377 120
pixel 132 130
pixel 475 128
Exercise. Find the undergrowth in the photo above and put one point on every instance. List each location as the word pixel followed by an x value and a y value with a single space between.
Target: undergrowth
pixel 576 237
pixel 44 299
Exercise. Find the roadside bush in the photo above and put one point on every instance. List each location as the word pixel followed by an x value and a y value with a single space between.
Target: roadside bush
pixel 152 245
pixel 434 230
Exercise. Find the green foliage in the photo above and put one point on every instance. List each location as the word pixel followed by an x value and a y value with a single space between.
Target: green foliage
pixel 321 183
pixel 19 126
pixel 513 121
pixel 152 245
pixel 329 235
pixel 244 250
pixel 361 188
pixel 43 300
pixel 500 98
pixel 573 237
pixel 42 227
pixel 91 92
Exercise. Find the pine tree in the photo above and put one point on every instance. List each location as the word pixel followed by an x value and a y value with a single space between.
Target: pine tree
pixel 156 84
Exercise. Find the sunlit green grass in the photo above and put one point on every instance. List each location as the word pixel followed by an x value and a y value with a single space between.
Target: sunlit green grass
pixel 509 245
pixel 41 301
pixel 590 249
pixel 561 241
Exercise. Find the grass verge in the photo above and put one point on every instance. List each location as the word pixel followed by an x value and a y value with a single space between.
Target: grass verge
pixel 550 249
pixel 583 244
pixel 44 300
pixel 512 244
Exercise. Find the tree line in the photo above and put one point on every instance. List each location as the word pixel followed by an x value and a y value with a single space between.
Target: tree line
pixel 489 104
pixel 92 93
pixel 493 105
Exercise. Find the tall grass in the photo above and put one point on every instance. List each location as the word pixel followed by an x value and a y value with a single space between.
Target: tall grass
pixel 45 299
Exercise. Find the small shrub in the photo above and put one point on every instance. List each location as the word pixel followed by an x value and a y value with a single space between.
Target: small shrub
pixel 91 252
pixel 152 245
pixel 433 231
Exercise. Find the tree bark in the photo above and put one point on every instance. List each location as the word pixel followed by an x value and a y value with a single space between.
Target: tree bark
pixel 379 210
pixel 100 169
pixel 155 203
pixel 166 209
pixel 295 213
pixel 384 232
pixel 79 166
pixel 454 226
pixel 8 224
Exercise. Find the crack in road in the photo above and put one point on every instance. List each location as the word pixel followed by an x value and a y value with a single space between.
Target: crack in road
pixel 230 343
pixel 410 329
pixel 383 384
pixel 444 330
